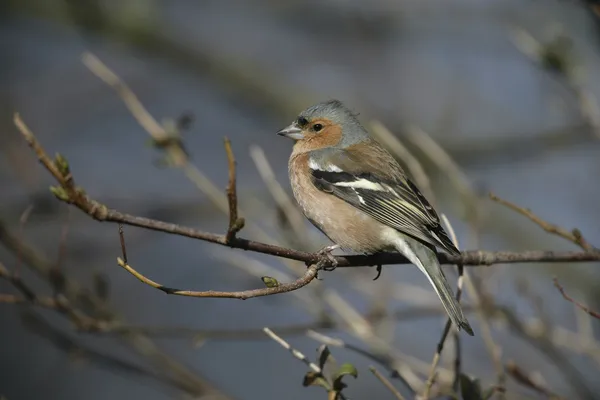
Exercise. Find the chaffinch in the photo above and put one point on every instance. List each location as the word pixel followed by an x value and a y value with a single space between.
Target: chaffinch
pixel 355 192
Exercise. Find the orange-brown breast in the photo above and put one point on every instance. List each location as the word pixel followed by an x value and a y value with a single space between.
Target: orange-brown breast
pixel 342 223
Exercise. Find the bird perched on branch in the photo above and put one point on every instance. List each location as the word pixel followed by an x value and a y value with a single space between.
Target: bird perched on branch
pixel 355 192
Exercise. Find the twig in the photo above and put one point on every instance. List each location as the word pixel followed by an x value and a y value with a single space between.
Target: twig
pixel 58 302
pixel 309 275
pixel 521 376
pixel 314 367
pixel 436 360
pixel 583 307
pixel 574 236
pixel 304 280
pixel 386 383
pixel 293 215
pixel 446 331
pixel 297 354
pixel 459 290
pixel 77 197
pixel 400 371
pixel 462 185
pixel 140 343
pixel 235 224
pixel 540 340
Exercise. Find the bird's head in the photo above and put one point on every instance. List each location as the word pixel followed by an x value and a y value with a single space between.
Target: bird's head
pixel 324 125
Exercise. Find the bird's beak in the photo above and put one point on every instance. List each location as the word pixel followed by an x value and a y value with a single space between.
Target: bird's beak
pixel 292 132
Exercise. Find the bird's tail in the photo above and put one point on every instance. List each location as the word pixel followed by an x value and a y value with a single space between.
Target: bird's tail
pixel 426 260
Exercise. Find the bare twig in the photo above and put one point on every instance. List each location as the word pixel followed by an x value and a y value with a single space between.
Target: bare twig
pixel 583 307
pixel 574 236
pixel 292 213
pixel 304 280
pixel 300 356
pixel 446 331
pixel 524 379
pixel 386 383
pixel 58 302
pixel 459 290
pixel 77 197
pixel 400 371
pixel 462 185
pixel 235 223
pixel 309 275
pixel 313 367
pixel 141 344
pixel 538 339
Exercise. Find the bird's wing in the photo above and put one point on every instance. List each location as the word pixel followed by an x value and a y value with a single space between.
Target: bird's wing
pixel 368 178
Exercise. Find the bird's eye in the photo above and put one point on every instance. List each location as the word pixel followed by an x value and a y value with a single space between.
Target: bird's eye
pixel 317 127
pixel 302 121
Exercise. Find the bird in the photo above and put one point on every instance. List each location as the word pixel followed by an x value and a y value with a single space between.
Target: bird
pixel 354 191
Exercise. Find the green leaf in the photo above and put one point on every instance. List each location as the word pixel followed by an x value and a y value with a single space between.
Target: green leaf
pixel 59 192
pixel 326 360
pixel 269 281
pixel 62 164
pixel 470 388
pixel 313 379
pixel 345 369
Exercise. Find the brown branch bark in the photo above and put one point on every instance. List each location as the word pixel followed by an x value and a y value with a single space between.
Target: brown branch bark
pixel 574 236
pixel 235 224
pixel 74 195
pixel 579 305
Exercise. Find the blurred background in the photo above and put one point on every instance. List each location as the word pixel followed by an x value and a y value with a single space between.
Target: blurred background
pixel 507 90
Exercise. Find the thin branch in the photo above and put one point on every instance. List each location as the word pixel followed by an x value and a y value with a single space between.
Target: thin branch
pixel 574 236
pixel 285 203
pixel 300 356
pixel 297 354
pixel 583 307
pixel 304 280
pixel 446 331
pixel 460 182
pixel 386 383
pixel 74 195
pixel 58 302
pixel 235 223
pixel 400 371
pixel 524 379
pixel 140 343
pixel 309 275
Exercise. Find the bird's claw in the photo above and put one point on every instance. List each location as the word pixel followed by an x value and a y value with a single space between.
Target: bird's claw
pixel 326 251
pixel 379 269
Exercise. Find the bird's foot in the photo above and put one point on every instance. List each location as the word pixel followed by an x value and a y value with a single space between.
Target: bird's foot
pixel 326 251
pixel 379 268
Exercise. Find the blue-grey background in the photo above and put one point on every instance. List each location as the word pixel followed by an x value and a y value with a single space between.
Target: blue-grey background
pixel 244 69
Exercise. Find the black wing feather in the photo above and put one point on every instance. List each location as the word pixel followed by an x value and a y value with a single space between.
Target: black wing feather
pixel 399 205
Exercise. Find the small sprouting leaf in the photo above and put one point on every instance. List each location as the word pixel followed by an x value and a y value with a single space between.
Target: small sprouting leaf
pixel 62 164
pixel 326 360
pixel 313 379
pixel 470 388
pixel 59 192
pixel 345 369
pixel 269 281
